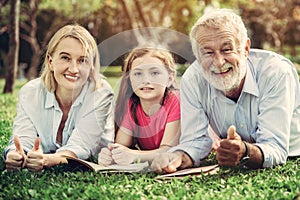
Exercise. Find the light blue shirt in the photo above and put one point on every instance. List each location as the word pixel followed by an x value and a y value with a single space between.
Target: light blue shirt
pixel 266 114
pixel 88 128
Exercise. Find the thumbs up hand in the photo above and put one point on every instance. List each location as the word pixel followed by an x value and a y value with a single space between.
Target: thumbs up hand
pixel 16 159
pixel 231 149
pixel 232 134
pixel 35 158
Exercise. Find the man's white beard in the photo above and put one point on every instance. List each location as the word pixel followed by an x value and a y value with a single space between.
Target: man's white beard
pixel 230 81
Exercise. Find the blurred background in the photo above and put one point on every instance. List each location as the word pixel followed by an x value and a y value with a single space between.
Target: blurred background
pixel 27 25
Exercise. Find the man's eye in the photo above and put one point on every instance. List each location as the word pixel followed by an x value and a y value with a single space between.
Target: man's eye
pixel 208 53
pixel 227 50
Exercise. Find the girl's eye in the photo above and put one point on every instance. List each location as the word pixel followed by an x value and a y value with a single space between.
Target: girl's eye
pixel 137 74
pixel 154 73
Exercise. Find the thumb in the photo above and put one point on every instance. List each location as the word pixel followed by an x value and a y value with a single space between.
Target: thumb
pixel 115 145
pixel 231 133
pixel 36 145
pixel 174 164
pixel 18 144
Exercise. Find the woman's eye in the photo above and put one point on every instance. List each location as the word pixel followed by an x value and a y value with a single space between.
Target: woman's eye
pixel 66 58
pixel 83 61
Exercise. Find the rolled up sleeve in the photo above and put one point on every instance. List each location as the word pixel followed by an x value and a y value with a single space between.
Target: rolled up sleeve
pixel 194 140
pixel 274 119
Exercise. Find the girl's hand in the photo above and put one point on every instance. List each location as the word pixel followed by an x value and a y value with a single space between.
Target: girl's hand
pixel 123 155
pixel 35 158
pixel 16 159
pixel 105 157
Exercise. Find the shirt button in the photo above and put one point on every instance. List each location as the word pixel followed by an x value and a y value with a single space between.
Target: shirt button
pixel 242 125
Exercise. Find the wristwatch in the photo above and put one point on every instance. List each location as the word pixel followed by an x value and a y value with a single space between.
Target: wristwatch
pixel 246 156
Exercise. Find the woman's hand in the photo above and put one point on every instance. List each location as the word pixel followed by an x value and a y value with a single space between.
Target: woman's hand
pixel 35 158
pixel 16 159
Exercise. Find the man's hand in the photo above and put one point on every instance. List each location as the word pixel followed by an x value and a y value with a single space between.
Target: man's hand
pixel 105 156
pixel 16 159
pixel 231 150
pixel 170 162
pixel 35 161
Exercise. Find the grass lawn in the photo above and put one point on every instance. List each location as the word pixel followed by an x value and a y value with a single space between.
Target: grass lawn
pixel 282 182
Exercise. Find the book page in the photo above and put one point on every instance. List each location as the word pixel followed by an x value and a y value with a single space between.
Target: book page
pixel 211 169
pixel 136 167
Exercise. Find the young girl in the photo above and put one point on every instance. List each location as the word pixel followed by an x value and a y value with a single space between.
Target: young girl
pixel 147 109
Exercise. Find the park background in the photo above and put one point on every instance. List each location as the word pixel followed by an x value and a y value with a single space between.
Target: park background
pixel 27 25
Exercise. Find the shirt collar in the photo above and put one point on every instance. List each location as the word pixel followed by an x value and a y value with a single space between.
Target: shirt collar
pixel 250 85
pixel 52 102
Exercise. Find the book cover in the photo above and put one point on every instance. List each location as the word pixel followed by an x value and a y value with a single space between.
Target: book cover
pixel 82 165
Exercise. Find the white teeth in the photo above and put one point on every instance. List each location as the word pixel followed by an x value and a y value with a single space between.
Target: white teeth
pixel 220 71
pixel 71 77
pixel 146 88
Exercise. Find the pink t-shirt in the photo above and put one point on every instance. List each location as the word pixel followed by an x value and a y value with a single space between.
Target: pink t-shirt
pixel 152 128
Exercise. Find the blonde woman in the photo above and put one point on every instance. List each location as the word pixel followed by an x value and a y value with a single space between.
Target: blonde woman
pixel 67 111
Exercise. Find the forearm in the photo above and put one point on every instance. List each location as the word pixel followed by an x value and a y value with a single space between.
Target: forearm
pixel 57 158
pixel 149 155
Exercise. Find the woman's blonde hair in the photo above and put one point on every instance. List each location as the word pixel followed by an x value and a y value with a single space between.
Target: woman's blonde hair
pixel 90 48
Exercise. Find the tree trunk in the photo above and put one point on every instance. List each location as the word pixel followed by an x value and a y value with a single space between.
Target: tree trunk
pixel 14 43
pixel 31 38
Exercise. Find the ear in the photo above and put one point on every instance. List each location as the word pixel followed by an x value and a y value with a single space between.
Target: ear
pixel 247 47
pixel 49 58
pixel 171 79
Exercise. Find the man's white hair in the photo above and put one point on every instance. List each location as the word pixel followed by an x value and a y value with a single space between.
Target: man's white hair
pixel 218 19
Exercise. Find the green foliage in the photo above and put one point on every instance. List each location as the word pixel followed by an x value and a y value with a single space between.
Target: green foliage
pixel 79 8
pixel 112 71
pixel 281 182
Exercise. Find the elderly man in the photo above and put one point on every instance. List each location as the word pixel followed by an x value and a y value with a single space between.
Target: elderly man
pixel 249 97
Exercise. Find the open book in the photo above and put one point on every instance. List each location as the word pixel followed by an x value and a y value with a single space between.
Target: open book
pixel 198 171
pixel 77 164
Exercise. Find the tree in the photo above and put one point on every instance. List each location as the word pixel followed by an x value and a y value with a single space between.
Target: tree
pixel 14 43
pixel 30 11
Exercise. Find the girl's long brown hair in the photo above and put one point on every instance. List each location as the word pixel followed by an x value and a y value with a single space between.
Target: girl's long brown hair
pixel 126 92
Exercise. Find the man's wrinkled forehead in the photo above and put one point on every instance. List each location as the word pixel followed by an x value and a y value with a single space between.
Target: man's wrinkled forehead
pixel 220 36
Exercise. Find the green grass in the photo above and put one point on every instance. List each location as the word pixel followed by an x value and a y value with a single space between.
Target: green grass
pixel 282 182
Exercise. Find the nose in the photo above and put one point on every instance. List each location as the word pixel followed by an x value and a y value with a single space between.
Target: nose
pixel 218 59
pixel 146 79
pixel 73 68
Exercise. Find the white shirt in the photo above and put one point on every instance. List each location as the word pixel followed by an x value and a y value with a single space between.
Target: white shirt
pixel 266 114
pixel 89 127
